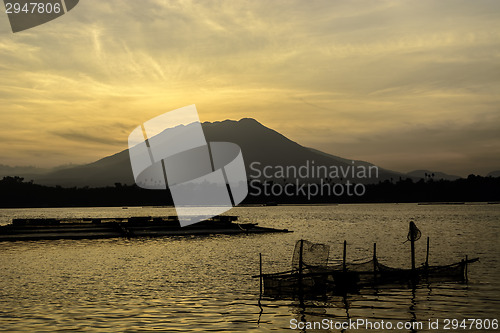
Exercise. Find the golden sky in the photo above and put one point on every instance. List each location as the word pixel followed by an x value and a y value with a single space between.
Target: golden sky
pixel 402 84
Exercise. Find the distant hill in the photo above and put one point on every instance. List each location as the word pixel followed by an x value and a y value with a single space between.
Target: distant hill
pixel 21 171
pixel 435 175
pixel 494 174
pixel 104 172
pixel 29 172
pixel 258 143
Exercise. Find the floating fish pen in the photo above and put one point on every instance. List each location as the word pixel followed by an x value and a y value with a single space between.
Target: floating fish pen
pixel 130 227
pixel 312 275
pixel 372 273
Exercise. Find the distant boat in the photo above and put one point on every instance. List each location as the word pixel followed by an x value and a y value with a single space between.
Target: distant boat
pixel 440 203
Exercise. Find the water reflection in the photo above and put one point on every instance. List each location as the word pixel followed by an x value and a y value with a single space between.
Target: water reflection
pixel 320 313
pixel 204 284
pixel 413 305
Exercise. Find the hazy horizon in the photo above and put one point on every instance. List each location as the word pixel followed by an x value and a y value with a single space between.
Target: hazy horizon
pixel 69 165
pixel 403 85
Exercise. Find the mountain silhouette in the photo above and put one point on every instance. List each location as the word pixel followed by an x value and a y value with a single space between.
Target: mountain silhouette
pixel 260 145
pixel 494 174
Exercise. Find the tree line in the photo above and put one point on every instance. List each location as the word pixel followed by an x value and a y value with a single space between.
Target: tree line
pixel 15 192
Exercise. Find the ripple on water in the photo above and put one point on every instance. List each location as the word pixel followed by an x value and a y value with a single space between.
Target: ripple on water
pixel 190 284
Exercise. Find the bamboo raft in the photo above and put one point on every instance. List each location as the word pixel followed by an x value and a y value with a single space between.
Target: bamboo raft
pixel 131 227
pixel 311 274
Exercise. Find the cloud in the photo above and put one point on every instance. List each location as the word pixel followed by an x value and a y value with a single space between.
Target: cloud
pixel 342 76
pixel 85 137
pixel 460 148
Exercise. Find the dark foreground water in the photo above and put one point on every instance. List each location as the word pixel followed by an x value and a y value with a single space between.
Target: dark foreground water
pixel 204 284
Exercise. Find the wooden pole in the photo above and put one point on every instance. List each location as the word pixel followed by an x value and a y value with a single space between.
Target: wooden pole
pixel 466 270
pixel 344 268
pixel 260 272
pixel 300 255
pixel 412 241
pixel 374 257
pixel 300 265
pixel 427 255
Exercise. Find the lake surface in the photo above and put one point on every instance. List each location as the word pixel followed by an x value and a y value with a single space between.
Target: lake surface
pixel 204 284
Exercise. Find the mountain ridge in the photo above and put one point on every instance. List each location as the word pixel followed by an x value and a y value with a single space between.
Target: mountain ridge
pixel 258 143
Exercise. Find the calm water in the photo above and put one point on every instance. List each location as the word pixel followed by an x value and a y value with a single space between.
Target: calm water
pixel 203 284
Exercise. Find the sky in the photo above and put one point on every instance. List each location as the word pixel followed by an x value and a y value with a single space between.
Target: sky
pixel 403 84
